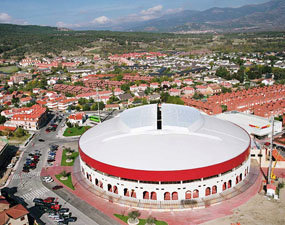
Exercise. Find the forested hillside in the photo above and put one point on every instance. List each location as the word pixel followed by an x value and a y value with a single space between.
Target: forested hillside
pixel 19 41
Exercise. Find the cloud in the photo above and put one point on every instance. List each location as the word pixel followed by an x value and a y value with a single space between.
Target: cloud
pixel 151 13
pixel 5 18
pixel 102 20
pixel 153 10
pixel 67 25
pixel 171 11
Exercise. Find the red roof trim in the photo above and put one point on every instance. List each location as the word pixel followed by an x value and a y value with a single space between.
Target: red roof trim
pixel 177 175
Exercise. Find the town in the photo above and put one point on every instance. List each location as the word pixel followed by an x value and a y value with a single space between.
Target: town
pixel 52 101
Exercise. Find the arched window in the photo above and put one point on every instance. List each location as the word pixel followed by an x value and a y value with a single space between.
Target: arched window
pixel 110 187
pixel 196 193
pixel 126 192
pixel 229 183
pixel 237 179
pixel 207 191
pixel 145 195
pixel 240 177
pixel 115 189
pixel 153 196
pixel 96 182
pixel 90 177
pixel 224 186
pixel 174 195
pixel 214 189
pixel 100 184
pixel 166 196
pixel 133 194
pixel 188 195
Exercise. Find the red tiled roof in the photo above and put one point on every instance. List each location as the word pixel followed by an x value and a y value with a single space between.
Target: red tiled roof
pixel 3 128
pixel 17 211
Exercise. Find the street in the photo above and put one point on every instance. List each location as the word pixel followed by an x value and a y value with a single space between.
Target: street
pixel 27 186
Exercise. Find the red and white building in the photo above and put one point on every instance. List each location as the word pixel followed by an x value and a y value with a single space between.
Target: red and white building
pixel 118 91
pixel 154 85
pixel 188 81
pixel 202 162
pixel 174 92
pixel 29 118
pixel 77 118
pixel 188 91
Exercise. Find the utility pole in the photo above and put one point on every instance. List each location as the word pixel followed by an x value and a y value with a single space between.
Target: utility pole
pixel 270 152
pixel 98 104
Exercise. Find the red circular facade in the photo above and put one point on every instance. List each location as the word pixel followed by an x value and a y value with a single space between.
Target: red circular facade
pixel 175 175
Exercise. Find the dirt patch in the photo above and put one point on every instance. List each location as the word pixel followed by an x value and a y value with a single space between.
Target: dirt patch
pixel 257 211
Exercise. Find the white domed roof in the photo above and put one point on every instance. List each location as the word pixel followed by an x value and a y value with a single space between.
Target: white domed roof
pixel 187 139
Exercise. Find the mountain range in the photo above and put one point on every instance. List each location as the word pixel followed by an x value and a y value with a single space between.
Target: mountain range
pixel 259 17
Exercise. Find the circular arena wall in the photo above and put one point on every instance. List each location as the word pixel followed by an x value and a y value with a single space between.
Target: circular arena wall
pixel 166 152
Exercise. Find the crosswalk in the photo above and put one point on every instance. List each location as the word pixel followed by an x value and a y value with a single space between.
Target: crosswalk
pixel 38 193
pixel 23 175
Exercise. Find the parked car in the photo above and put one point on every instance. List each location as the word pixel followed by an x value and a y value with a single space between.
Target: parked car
pixel 70 219
pixel 53 215
pixel 49 200
pixel 25 170
pixel 57 187
pixel 41 140
pixel 38 200
pixel 63 210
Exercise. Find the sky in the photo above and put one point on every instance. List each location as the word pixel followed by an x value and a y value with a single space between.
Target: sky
pixel 76 14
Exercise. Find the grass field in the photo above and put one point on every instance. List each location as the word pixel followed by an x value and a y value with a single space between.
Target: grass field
pixel 9 69
pixel 67 182
pixel 73 131
pixel 142 221
pixel 64 157
pixel 18 140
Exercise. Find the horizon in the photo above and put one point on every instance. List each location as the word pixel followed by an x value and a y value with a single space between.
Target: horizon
pixel 96 15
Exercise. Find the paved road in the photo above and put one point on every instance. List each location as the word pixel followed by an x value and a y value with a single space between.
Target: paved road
pixel 29 185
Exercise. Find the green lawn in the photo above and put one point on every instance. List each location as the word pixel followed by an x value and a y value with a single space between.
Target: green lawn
pixel 142 221
pixel 64 157
pixel 73 131
pixel 67 182
pixel 9 69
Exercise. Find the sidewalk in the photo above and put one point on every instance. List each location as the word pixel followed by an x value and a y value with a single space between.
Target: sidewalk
pixel 173 217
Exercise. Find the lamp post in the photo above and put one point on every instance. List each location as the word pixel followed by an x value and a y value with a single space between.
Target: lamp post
pixel 270 152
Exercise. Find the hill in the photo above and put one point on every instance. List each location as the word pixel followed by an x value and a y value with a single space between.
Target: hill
pixel 266 16
pixel 19 40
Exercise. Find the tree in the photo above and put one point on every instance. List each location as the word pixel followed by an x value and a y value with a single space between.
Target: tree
pixel 223 72
pixel 78 83
pixel 226 90
pixel 2 119
pixel 82 101
pixel 224 108
pixel 15 100
pixel 134 215
pixel 198 95
pixel 20 132
pixel 150 220
pixel 86 107
pixel 95 106
pixel 112 99
pixel 69 95
pixel 68 124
